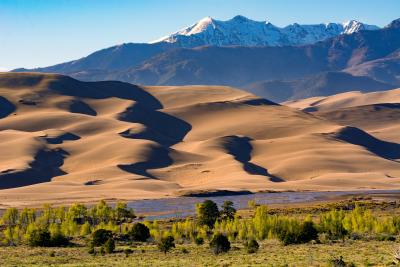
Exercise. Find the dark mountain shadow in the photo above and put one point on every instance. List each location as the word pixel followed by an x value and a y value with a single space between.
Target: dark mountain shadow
pixel 240 148
pixel 355 136
pixel 6 107
pixel 46 165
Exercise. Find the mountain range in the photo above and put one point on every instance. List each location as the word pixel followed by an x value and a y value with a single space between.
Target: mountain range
pixel 242 31
pixel 244 53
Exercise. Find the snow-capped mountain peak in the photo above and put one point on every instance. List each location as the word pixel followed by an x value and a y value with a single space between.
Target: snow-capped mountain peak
pixel 199 27
pixel 246 32
pixel 352 26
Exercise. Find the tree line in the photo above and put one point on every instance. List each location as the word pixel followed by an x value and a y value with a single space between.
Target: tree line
pixel 103 226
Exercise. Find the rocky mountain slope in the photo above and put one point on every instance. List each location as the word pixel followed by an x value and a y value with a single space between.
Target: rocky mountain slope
pixel 370 53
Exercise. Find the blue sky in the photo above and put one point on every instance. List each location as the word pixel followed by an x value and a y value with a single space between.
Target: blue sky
pixel 45 32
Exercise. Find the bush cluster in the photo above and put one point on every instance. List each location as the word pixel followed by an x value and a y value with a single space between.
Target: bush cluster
pixel 42 238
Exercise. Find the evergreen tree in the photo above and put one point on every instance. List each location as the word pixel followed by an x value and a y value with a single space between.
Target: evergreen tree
pixel 207 213
pixel 139 232
pixel 228 211
pixel 100 236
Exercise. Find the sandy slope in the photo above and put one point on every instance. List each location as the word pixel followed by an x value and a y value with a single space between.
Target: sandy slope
pixel 377 112
pixel 65 140
pixel 345 100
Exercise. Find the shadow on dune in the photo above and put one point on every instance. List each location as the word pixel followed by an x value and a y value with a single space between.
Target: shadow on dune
pixel 105 89
pixel 77 106
pixel 240 148
pixel 158 123
pixel 61 138
pixel 260 102
pixel 161 128
pixel 6 107
pixel 383 106
pixel 46 165
pixel 358 137
pixel 157 158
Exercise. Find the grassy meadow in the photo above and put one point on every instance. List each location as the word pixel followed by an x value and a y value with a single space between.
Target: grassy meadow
pixel 271 253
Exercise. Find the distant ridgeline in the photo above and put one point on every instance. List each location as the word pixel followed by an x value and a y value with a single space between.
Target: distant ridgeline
pixel 270 61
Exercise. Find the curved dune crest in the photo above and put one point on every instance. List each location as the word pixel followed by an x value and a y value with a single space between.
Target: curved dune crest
pixel 72 140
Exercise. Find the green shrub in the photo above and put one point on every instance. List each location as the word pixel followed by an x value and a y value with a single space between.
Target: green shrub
pixel 339 262
pixel 139 232
pixel 109 246
pixel 128 252
pixel 100 236
pixel 91 250
pixel 220 244
pixel 252 246
pixel 166 244
pixel 331 223
pixel 59 240
pixel 39 238
pixel 295 233
pixel 184 251
pixel 199 241
pixel 385 237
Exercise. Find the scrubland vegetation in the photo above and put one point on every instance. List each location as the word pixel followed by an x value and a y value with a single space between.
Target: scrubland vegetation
pixel 106 235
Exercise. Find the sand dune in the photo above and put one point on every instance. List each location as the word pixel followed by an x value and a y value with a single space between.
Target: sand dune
pixel 345 100
pixel 66 140
pixel 377 113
